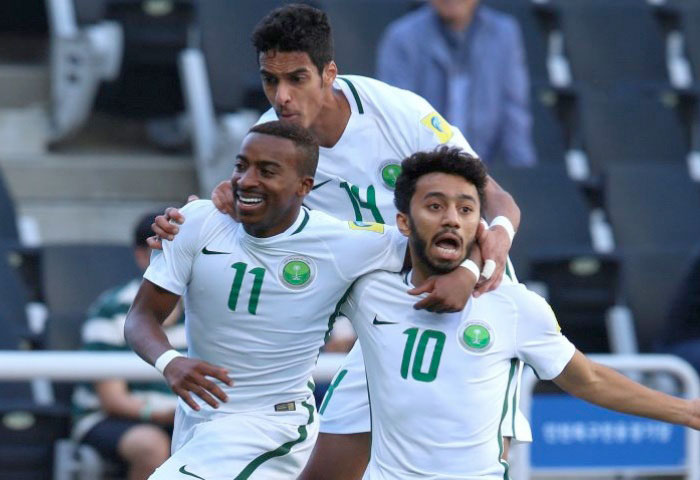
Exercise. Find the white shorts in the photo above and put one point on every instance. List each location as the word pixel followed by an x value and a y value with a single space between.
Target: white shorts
pixel 345 407
pixel 269 444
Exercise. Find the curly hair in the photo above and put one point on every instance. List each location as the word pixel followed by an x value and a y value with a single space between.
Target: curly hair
pixel 303 140
pixel 296 28
pixel 444 159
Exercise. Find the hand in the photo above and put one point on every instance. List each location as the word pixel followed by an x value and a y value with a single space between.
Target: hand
pixel 694 417
pixel 495 245
pixel 188 375
pixel 163 417
pixel 163 226
pixel 222 197
pixel 448 292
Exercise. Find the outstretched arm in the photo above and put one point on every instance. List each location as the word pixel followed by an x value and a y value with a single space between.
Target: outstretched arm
pixel 607 388
pixel 145 335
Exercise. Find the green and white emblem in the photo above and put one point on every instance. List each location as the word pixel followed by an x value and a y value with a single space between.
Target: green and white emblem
pixel 389 171
pixel 475 337
pixel 297 272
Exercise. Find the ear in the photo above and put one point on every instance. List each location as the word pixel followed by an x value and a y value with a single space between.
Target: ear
pixel 403 223
pixel 330 71
pixel 305 184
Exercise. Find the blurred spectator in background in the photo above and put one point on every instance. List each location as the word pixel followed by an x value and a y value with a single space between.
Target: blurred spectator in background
pixel 124 421
pixel 468 61
pixel 682 329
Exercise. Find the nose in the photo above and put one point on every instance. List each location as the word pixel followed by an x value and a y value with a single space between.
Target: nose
pixel 282 95
pixel 451 217
pixel 247 179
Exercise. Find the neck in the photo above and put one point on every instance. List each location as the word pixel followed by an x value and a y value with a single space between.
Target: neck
pixel 333 118
pixel 460 24
pixel 420 271
pixel 261 230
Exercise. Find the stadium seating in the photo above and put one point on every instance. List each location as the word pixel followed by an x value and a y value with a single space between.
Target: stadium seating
pixel 548 130
pixel 639 126
pixel 652 206
pixel 8 221
pixel 553 246
pixel 690 21
pixel 651 278
pixel 613 42
pixel 73 277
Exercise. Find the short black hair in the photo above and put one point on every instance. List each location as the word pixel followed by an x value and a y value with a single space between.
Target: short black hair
pixel 302 138
pixel 142 229
pixel 296 28
pixel 444 159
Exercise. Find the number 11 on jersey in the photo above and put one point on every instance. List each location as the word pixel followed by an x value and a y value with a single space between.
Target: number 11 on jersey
pixel 258 274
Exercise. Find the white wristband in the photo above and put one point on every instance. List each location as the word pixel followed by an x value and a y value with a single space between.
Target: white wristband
pixel 506 224
pixel 165 358
pixel 472 267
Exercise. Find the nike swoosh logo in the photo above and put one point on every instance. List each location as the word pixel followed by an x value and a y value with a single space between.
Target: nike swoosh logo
pixel 185 472
pixel 319 185
pixel 212 252
pixel 381 322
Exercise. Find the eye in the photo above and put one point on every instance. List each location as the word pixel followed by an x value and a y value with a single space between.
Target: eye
pixel 269 80
pixel 466 209
pixel 239 167
pixel 434 206
pixel 266 172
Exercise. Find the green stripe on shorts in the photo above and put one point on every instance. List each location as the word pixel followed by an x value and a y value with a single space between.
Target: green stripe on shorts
pixel 279 451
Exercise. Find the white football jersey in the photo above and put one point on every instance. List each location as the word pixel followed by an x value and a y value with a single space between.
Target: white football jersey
pixel 355 178
pixel 440 385
pixel 260 306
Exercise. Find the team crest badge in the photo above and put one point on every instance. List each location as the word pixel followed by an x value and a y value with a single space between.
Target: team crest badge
pixel 475 337
pixel 389 171
pixel 297 272
pixel 439 126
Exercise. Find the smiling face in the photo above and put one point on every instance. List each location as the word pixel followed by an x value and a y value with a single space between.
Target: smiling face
pixel 268 186
pixel 293 85
pixel 442 222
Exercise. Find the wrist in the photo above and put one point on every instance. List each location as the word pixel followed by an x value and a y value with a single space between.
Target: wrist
pixel 505 224
pixel 165 358
pixel 146 412
pixel 471 266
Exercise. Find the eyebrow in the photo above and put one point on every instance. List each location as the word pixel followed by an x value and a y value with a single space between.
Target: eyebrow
pixel 462 196
pixel 264 163
pixel 293 72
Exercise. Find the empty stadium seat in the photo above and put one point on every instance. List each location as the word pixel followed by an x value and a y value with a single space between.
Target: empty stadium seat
pixel 8 221
pixel 73 277
pixel 637 127
pixel 690 22
pixel 553 247
pixel 548 130
pixel 652 206
pixel 650 279
pixel 613 42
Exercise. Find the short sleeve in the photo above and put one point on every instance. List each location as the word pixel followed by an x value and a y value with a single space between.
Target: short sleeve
pixel 366 247
pixel 171 268
pixel 434 130
pixel 268 116
pixel 539 341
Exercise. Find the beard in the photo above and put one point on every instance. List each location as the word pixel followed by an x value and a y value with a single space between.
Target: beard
pixel 419 246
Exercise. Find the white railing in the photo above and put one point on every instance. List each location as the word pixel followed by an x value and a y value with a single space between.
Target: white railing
pixel 626 363
pixel 86 366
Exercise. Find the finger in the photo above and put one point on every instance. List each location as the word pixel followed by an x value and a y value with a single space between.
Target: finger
pixel 173 214
pixel 203 394
pixel 154 242
pixel 219 373
pixel 192 198
pixel 185 395
pixel 163 228
pixel 428 303
pixel 214 389
pixel 489 268
pixel 427 286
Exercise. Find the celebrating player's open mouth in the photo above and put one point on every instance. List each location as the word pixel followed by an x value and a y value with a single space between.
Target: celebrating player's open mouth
pixel 447 246
pixel 249 201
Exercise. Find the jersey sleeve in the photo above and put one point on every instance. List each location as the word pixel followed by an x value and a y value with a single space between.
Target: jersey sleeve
pixel 366 247
pixel 268 116
pixel 171 268
pixel 539 341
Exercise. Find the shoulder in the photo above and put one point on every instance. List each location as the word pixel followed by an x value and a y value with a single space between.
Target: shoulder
pixel 320 223
pixel 528 305
pixel 268 116
pixel 499 23
pixel 202 213
pixel 379 284
pixel 391 103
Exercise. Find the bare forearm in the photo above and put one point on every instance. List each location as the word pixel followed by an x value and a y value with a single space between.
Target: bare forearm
pixel 500 203
pixel 607 388
pixel 143 329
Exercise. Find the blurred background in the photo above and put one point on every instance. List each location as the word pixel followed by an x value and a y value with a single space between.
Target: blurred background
pixel 110 109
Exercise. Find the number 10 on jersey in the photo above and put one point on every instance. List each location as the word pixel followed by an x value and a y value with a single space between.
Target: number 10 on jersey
pixel 418 355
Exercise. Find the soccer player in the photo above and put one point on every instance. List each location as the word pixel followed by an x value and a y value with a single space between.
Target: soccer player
pixel 439 384
pixel 365 128
pixel 260 293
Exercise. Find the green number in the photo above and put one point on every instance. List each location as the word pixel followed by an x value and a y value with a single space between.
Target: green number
pixel 417 371
pixel 357 203
pixel 259 274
